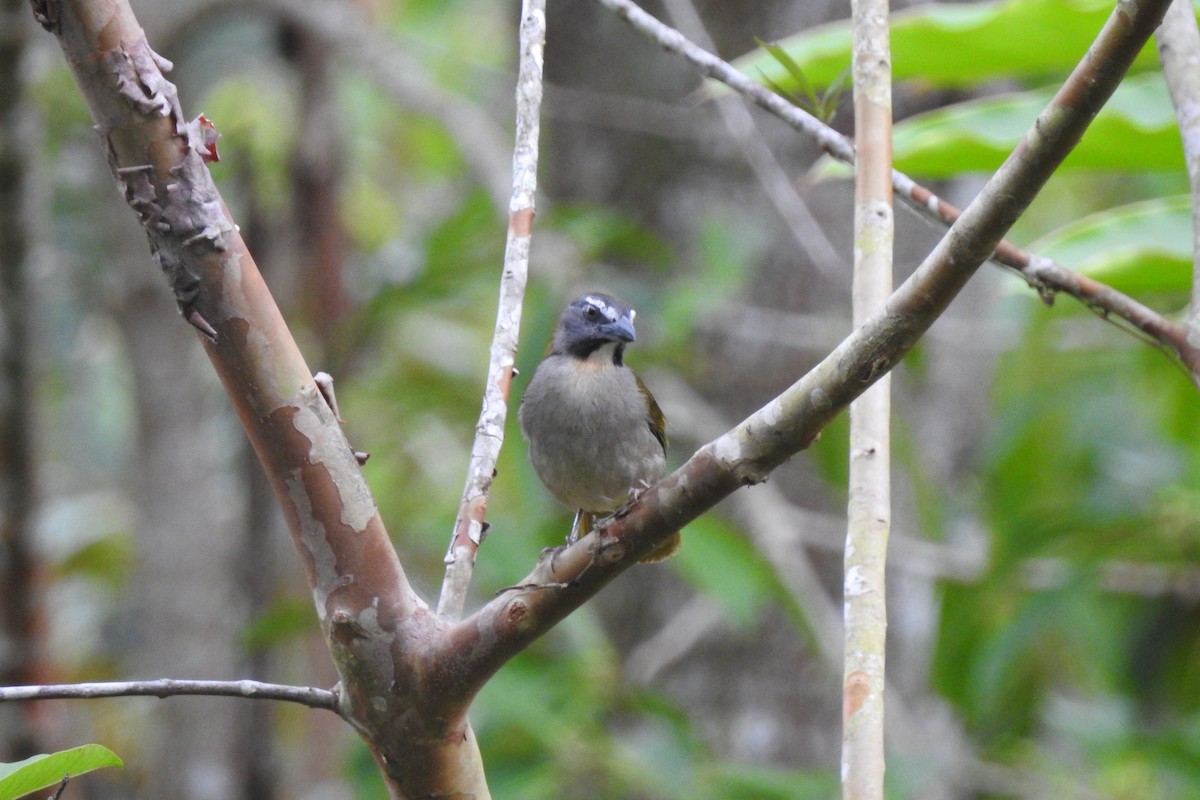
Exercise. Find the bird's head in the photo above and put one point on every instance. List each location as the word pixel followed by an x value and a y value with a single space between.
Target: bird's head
pixel 594 327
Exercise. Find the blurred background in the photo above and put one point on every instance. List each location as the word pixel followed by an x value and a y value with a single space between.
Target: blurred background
pixel 1044 636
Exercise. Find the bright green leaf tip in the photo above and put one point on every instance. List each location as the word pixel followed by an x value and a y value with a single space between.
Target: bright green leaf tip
pixel 48 769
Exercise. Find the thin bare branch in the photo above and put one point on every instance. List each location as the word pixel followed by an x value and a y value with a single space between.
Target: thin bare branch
pixel 249 690
pixel 869 512
pixel 1041 273
pixel 470 525
pixel 1179 52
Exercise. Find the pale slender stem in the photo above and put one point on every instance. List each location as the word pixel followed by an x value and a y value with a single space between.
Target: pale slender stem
pixel 250 690
pixel 470 525
pixel 869 511
pixel 1178 42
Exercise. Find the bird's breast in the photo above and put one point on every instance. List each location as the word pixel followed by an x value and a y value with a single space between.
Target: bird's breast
pixel 588 432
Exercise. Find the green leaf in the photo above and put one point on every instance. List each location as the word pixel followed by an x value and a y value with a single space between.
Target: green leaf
pixel 795 74
pixel 37 772
pixel 976 136
pixel 1140 248
pixel 954 45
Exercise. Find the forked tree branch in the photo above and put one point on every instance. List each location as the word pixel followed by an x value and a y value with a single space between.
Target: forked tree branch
pixel 374 623
pixel 407 674
pixel 1042 274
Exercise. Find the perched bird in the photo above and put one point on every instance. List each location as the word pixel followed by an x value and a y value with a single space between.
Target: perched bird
pixel 596 436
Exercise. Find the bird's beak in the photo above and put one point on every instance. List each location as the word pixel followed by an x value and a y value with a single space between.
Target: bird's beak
pixel 621 329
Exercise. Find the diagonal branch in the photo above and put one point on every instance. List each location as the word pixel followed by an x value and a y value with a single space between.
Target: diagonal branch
pixel 562 581
pixel 374 623
pixel 1041 273
pixel 470 526
pixel 250 690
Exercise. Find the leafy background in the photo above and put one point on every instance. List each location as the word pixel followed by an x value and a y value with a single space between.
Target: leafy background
pixel 1043 589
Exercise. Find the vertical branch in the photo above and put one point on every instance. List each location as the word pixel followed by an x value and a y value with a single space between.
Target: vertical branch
pixel 469 526
pixel 869 513
pixel 1179 52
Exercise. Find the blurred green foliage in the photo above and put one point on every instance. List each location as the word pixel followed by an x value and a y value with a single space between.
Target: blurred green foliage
pixel 1091 457
pixel 1088 470
pixel 1147 255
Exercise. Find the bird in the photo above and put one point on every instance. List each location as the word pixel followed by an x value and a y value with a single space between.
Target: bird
pixel 596 436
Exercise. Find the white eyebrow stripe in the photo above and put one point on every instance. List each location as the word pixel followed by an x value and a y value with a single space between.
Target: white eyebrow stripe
pixel 608 311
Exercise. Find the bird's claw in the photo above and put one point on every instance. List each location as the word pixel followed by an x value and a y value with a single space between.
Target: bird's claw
pixel 635 494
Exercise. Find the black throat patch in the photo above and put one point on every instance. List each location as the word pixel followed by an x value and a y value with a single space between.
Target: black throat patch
pixel 585 350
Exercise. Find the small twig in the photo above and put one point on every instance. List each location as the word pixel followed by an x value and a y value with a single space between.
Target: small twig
pixel 168 687
pixel 62 786
pixel 1050 276
pixel 470 525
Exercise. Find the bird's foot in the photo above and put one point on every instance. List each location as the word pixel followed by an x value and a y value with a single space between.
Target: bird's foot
pixel 635 494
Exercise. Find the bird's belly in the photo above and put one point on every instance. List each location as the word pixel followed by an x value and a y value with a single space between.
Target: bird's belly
pixel 599 484
pixel 612 450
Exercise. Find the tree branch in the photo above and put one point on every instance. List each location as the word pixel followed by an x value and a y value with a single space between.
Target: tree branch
pixel 470 526
pixel 777 185
pixel 1041 273
pixel 407 674
pixel 1179 52
pixel 374 623
pixel 565 579
pixel 250 690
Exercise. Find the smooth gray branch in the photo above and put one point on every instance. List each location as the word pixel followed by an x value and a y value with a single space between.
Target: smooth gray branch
pixel 168 687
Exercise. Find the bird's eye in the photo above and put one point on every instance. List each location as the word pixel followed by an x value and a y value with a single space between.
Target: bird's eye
pixel 591 312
